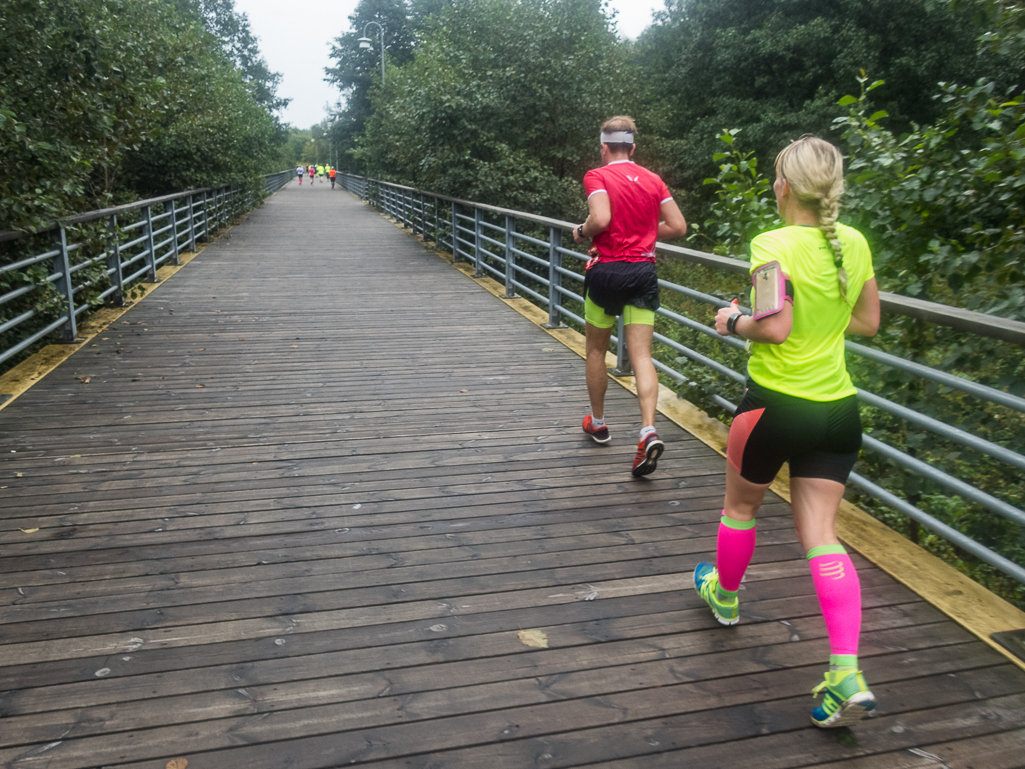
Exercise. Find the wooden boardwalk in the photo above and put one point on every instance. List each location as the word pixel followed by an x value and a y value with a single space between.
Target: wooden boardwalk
pixel 318 483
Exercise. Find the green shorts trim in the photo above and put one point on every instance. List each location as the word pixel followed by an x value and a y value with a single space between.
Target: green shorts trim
pixel 597 316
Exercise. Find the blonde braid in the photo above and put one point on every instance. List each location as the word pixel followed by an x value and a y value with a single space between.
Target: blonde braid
pixel 829 208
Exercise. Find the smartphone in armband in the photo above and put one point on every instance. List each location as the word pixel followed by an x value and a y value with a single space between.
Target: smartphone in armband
pixel 771 289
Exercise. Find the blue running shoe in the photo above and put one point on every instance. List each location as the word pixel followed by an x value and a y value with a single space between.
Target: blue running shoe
pixel 846 699
pixel 706 582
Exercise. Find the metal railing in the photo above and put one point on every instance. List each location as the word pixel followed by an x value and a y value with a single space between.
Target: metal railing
pixel 96 257
pixel 525 253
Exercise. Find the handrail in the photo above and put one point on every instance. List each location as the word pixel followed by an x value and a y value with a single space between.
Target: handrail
pixel 448 222
pixel 7 235
pixel 130 253
pixel 973 322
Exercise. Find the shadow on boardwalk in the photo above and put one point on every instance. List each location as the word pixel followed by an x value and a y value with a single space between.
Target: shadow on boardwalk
pixel 315 487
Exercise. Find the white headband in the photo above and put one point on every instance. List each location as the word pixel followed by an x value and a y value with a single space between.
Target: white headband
pixel 617 137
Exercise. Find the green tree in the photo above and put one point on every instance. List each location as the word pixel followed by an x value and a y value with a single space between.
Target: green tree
pixel 104 100
pixel 501 103
pixel 79 83
pixel 357 69
pixel 211 128
pixel 238 43
pixel 775 68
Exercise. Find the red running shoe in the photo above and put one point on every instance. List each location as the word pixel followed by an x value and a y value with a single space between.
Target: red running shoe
pixel 649 449
pixel 600 434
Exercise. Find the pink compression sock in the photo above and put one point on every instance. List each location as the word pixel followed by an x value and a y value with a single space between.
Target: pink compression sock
pixel 839 591
pixel 735 546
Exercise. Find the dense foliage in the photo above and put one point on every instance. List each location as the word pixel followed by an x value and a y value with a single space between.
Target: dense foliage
pixel 776 69
pixel 509 118
pixel 108 100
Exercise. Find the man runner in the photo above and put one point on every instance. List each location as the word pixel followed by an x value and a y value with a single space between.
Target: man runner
pixel 331 172
pixel 629 209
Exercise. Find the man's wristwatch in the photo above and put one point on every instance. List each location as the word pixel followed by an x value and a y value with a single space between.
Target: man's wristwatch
pixel 580 231
pixel 731 324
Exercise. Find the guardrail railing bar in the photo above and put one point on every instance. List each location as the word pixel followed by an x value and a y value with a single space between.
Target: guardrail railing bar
pixel 478 233
pixel 65 284
pixel 951 534
pixel 554 278
pixel 510 256
pixel 965 320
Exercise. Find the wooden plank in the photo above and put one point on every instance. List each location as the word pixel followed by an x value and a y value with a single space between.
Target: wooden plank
pixel 584 729
pixel 427 686
pixel 628 632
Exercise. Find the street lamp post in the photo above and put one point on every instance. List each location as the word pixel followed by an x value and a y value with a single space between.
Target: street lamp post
pixel 366 42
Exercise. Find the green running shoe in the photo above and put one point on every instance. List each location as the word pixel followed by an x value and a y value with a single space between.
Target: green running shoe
pixel 846 699
pixel 706 582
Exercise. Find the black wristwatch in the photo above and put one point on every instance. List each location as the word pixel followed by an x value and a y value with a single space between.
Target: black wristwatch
pixel 580 231
pixel 731 324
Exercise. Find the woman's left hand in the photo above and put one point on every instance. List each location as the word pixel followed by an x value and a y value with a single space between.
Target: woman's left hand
pixel 723 316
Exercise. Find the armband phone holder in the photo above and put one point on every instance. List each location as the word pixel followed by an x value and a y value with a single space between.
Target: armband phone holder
pixel 770 290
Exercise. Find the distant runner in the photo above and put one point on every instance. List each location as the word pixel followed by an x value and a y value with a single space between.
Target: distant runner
pixel 299 173
pixel 331 173
pixel 629 209
pixel 313 172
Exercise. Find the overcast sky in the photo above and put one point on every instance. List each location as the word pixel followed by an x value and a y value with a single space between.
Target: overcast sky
pixel 295 38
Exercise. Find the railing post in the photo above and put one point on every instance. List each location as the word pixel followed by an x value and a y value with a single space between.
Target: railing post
pixel 622 354
pixel 510 256
pixel 455 232
pixel 192 224
pixel 437 222
pixel 206 218
pixel 174 233
pixel 65 284
pixel 114 264
pixel 478 233
pixel 554 279
pixel 151 252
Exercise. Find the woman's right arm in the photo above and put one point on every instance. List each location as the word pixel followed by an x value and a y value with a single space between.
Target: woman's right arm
pixel 865 316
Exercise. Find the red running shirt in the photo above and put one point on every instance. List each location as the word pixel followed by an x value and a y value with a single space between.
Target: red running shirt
pixel 636 196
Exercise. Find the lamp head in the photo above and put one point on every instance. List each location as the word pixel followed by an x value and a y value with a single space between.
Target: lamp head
pixel 364 42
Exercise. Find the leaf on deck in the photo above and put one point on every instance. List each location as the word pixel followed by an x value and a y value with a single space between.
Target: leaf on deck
pixel 536 638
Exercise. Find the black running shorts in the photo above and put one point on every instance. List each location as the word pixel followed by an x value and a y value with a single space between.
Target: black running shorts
pixel 818 439
pixel 613 285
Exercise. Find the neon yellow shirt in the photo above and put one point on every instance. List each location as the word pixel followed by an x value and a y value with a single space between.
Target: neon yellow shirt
pixel 810 363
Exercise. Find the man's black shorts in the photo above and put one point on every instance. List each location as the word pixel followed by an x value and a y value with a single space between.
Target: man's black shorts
pixel 613 285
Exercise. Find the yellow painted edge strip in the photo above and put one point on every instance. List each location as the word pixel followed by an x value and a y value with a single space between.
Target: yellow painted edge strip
pixel 968 603
pixel 19 379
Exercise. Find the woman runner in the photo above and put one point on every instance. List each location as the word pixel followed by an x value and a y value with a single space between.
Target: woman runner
pixel 313 173
pixel 800 406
